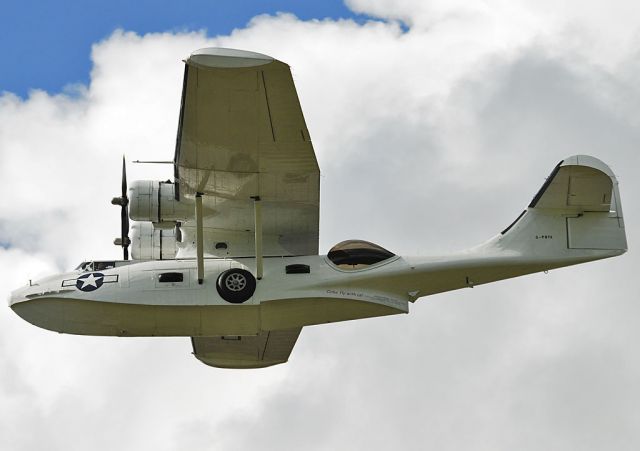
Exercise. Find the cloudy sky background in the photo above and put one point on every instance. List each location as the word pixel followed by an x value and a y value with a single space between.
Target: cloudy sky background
pixel 434 123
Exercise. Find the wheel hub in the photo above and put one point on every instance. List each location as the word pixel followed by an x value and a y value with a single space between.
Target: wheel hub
pixel 236 282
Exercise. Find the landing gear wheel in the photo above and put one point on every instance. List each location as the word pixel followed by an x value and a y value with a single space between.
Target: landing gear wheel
pixel 236 285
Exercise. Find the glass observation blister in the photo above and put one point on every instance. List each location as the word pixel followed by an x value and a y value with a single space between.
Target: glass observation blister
pixel 357 254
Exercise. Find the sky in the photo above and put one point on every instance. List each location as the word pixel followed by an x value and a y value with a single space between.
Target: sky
pixel 434 123
pixel 48 47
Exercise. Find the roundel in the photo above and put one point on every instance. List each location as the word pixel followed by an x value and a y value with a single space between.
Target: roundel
pixel 90 282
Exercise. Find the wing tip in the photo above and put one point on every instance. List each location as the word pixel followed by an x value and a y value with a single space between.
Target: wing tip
pixel 224 58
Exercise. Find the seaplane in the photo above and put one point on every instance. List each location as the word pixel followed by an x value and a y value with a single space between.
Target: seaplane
pixel 226 252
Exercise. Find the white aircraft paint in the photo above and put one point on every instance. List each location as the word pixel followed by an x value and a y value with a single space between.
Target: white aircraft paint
pixel 576 217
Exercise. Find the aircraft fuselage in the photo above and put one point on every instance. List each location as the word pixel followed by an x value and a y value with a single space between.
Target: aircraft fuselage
pixel 148 298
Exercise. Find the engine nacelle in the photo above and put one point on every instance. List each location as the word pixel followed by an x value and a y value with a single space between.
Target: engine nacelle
pixel 150 243
pixel 155 201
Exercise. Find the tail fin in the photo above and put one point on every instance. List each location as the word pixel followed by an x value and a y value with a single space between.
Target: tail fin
pixel 576 216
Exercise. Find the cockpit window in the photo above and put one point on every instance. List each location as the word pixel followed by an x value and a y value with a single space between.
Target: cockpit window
pixel 357 254
pixel 82 266
pixel 101 266
pixel 96 266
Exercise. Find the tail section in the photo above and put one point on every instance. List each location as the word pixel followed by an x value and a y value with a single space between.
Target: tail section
pixel 576 216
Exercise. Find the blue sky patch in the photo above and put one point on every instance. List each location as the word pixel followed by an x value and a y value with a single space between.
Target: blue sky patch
pixel 47 45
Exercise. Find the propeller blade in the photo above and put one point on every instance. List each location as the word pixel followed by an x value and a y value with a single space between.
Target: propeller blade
pixel 124 179
pixel 123 201
pixel 125 221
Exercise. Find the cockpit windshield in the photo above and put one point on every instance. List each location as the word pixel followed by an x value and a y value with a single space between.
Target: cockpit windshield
pixel 95 266
pixel 357 254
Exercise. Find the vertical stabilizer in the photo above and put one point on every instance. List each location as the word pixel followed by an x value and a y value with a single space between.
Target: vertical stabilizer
pixel 577 213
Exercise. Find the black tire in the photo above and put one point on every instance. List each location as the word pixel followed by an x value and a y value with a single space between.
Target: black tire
pixel 236 285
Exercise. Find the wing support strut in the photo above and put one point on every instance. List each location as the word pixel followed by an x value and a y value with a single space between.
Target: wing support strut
pixel 257 213
pixel 199 238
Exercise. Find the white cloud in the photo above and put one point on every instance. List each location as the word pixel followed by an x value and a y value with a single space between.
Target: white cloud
pixel 429 140
pixel 603 31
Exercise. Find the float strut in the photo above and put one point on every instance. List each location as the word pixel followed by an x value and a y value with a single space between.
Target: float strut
pixel 257 214
pixel 199 238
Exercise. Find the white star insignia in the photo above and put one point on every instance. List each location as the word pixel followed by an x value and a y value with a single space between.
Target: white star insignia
pixel 90 281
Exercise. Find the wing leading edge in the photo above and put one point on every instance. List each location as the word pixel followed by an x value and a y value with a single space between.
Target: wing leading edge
pixel 242 135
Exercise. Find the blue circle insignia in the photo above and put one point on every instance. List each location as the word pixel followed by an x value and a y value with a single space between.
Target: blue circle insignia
pixel 90 282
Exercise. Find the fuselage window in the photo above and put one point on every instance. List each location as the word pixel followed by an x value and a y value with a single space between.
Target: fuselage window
pixel 171 277
pixel 357 254
pixel 297 268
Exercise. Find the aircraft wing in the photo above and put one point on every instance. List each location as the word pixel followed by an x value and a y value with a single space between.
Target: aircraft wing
pixel 266 349
pixel 242 135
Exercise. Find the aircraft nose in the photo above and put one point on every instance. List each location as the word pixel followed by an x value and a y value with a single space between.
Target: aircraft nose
pixel 17 296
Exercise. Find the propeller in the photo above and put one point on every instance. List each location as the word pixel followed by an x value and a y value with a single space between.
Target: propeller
pixel 123 201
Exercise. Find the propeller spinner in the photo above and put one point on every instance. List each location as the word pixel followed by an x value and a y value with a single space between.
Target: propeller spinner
pixel 123 201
